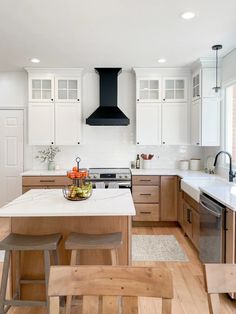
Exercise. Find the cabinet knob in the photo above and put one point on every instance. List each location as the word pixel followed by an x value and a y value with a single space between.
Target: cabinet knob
pixel 164 99
pixel 78 142
pixel 52 143
pixel 78 99
pixel 137 142
pixel 137 99
pixel 51 99
pixel 197 143
pixel 163 142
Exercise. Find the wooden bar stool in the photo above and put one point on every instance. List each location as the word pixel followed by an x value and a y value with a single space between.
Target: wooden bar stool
pixel 76 242
pixel 20 242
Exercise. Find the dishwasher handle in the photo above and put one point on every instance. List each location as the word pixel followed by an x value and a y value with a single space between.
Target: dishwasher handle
pixel 209 210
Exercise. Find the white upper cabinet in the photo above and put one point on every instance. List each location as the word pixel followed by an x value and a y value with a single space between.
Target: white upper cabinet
pixel 68 125
pixel 162 115
pixel 174 89
pixel 175 124
pixel 41 89
pixel 148 124
pixel 67 89
pixel 54 106
pixel 148 89
pixel 41 123
pixel 196 123
pixel 205 106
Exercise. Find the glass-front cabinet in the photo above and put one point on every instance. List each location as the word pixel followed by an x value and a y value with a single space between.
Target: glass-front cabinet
pixel 41 89
pixel 196 86
pixel 174 89
pixel 67 89
pixel 149 90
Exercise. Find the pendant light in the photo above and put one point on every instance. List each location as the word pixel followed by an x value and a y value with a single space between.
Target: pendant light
pixel 216 48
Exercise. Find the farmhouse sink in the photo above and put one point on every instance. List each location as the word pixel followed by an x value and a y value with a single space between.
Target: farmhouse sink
pixel 192 186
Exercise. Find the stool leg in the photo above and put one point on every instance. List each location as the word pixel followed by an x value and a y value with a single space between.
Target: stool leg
pixel 5 271
pixel 114 257
pixel 18 265
pixel 55 257
pixel 46 270
pixel 69 297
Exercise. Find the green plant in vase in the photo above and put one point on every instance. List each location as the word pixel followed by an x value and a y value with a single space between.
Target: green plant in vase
pixel 48 155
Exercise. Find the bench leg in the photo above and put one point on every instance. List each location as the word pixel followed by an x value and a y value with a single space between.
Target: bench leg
pixel 47 270
pixel 5 272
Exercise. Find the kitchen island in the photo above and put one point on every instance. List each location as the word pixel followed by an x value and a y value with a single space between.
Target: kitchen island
pixel 39 212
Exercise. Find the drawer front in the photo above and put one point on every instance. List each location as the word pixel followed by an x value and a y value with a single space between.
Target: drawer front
pixel 46 181
pixel 145 194
pixel 146 180
pixel 147 212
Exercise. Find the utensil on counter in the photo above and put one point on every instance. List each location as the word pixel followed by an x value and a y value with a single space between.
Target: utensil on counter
pixel 147 157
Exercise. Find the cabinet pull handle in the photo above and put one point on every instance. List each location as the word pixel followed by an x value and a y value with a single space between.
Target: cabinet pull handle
pixel 47 181
pixel 146 194
pixel 145 213
pixel 145 180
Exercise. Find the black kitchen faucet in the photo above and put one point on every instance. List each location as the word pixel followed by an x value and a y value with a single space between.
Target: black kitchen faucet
pixel 232 174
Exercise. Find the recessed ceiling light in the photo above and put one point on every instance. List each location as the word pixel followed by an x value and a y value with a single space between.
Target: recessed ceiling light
pixel 35 60
pixel 162 60
pixel 188 15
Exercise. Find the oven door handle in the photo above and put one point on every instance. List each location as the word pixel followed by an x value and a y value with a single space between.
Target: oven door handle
pixel 209 210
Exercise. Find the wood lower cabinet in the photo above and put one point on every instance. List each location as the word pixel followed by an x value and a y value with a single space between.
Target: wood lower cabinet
pixel 146 191
pixel 180 217
pixel 191 219
pixel 168 198
pixel 44 182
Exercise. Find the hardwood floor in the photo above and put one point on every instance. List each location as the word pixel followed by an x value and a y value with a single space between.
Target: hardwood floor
pixel 189 293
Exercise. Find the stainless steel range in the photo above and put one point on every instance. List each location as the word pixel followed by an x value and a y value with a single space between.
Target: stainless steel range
pixel 110 177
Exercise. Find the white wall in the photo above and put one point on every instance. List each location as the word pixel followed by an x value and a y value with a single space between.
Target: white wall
pixel 229 68
pixel 102 146
pixel 228 75
pixel 13 89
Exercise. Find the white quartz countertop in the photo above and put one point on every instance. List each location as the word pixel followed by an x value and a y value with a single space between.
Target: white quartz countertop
pixel 43 172
pixel 168 172
pixel 43 203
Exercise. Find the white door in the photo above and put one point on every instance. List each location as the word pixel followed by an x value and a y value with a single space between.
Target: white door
pixel 148 124
pixel 11 154
pixel 175 124
pixel 210 122
pixel 67 123
pixel 41 123
pixel 196 123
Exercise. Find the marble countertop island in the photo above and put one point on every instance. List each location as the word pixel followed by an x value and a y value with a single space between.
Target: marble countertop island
pixel 48 203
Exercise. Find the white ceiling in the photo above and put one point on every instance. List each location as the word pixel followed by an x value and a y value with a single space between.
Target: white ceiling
pixel 126 33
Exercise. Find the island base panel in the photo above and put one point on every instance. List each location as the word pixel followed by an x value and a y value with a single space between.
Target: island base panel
pixel 32 265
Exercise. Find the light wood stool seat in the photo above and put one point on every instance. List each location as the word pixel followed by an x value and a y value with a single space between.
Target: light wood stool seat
pixel 109 241
pixel 22 242
pixel 77 241
pixel 17 243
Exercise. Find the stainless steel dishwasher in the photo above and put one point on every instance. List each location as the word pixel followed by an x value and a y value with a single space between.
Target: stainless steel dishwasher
pixel 212 230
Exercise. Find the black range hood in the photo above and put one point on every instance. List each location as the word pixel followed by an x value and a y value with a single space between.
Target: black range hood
pixel 108 113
